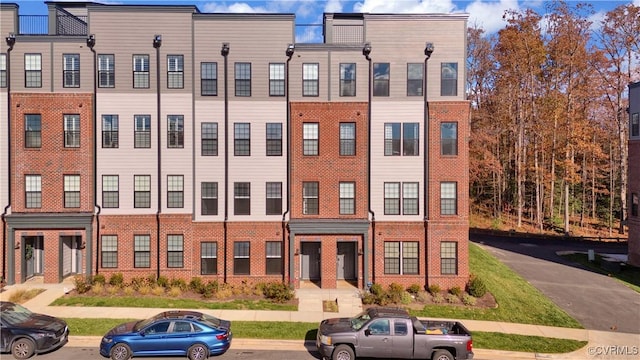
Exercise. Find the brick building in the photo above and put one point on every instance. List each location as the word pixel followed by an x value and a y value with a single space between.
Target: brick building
pixel 145 139
pixel 634 174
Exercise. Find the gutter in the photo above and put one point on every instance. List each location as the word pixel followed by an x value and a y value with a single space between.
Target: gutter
pixel 11 40
pixel 91 42
pixel 225 53
pixel 157 42
pixel 289 54
pixel 366 50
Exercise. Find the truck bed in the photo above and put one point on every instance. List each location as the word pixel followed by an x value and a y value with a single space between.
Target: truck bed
pixel 434 327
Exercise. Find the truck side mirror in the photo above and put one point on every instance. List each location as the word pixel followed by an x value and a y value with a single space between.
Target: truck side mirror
pixel 367 332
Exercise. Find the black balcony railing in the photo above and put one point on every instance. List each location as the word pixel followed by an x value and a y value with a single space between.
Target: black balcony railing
pixel 66 25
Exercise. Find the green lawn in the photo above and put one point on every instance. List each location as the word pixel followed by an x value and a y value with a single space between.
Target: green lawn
pixel 307 331
pixel 629 275
pixel 518 301
pixel 164 302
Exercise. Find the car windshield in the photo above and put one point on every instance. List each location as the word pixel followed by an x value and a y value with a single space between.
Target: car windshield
pixel 14 314
pixel 359 320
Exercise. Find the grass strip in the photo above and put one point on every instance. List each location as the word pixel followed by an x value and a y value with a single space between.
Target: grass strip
pixel 164 302
pixel 518 301
pixel 278 330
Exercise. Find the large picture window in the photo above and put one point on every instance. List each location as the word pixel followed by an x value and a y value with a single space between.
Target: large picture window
pixel 401 257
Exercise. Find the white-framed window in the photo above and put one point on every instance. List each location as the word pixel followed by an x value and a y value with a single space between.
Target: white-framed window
pixel 142 191
pixel 208 258
pixel 401 257
pixel 347 198
pixel 110 191
pixel 448 198
pixel 175 191
pixel 175 71
pixel 449 258
pixel 106 71
pixel 276 79
pixel 33 191
pixel 71 130
pixel 71 70
pixel 175 251
pixel 33 70
pixel 310 81
pixel 140 71
pixel 310 142
pixel 71 191
pixel 109 251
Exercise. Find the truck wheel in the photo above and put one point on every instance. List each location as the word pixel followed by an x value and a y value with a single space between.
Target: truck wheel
pixel 344 352
pixel 442 355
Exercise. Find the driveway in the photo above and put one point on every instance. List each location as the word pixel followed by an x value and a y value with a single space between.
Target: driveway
pixel 597 301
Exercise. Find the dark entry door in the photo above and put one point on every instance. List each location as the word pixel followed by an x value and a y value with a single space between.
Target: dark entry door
pixel 346 260
pixel 310 261
pixel 33 255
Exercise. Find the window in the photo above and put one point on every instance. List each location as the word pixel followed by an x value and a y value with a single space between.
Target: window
pixel 380 327
pixel 449 258
pixel 392 139
pixel 142 131
pixel 634 204
pixel 175 251
pixel 400 328
pixel 109 253
pixel 410 139
pixel 242 198
pixel 208 258
pixel 109 131
pixel 274 258
pixel 347 139
pixel 142 191
pixel 175 191
pixel 32 70
pixel 448 198
pixel 310 139
pixel 141 251
pixel 274 139
pixel 33 191
pixel 347 79
pixel 241 258
pixel 32 131
pixel 106 71
pixel 71 70
pixel 635 124
pixel 175 71
pixel 392 198
pixel 110 191
pixel 175 131
pixel 243 79
pixel 310 198
pixel 449 138
pixel 414 79
pixel 347 198
pixel 310 80
pixel 401 257
pixel 274 198
pixel 410 198
pixel 381 79
pixel 209 198
pixel 72 191
pixel 209 139
pixel 241 139
pixel 209 79
pixel 71 131
pixel 276 79
pixel 449 79
pixel 3 70
pixel 140 71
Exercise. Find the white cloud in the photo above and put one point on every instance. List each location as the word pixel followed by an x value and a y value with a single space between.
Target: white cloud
pixel 333 6
pixel 404 6
pixel 216 7
pixel 488 15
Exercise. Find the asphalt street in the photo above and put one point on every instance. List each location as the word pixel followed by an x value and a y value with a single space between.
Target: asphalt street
pixel 597 301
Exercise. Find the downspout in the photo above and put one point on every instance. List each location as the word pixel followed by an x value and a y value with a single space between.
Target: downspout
pixel 91 42
pixel 11 40
pixel 225 52
pixel 428 50
pixel 157 42
pixel 366 51
pixel 289 53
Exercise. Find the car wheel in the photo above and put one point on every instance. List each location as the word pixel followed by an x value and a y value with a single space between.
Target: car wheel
pixel 442 355
pixel 120 352
pixel 197 352
pixel 343 352
pixel 23 348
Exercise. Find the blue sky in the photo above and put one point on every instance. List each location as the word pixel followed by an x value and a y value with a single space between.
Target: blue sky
pixel 485 13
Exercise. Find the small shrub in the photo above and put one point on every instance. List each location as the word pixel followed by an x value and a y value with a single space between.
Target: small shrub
pixel 468 300
pixel 406 298
pixel 455 291
pixel 368 299
pixel 98 279
pixel 414 289
pixel 174 291
pixel 112 290
pixel 476 287
pixel 434 289
pixel 179 283
pixel 224 293
pixel 377 290
pixel 162 281
pixel 423 296
pixel 278 291
pixel 452 299
pixel 438 298
pixel 151 279
pixel 144 289
pixel 116 279
pixel 97 289
pixel 196 284
pixel 395 293
pixel 81 284
pixel 128 290
pixel 138 282
pixel 157 290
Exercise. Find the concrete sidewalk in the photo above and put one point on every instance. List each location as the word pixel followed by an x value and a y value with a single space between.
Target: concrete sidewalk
pixel 602 345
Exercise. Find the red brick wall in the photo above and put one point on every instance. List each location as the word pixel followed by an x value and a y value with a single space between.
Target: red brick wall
pixel 52 161
pixel 634 187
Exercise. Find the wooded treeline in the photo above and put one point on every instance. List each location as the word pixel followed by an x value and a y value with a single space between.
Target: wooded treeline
pixel 549 124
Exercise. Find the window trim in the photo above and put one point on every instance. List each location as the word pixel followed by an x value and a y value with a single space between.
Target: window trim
pixel 209 139
pixel 73 73
pixel 108 192
pixel 381 80
pixel 443 259
pixel 110 137
pixel 445 200
pixel 348 139
pixel 33 186
pixel 72 187
pixel 139 74
pixel 344 198
pixel 175 249
pixel 175 71
pixel 141 246
pixel 109 248
pixel 310 79
pixel 276 84
pixel 399 256
pixel 306 198
pixel 209 254
pixel 347 80
pixel 213 197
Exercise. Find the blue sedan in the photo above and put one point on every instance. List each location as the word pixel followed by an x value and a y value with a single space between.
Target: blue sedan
pixel 171 333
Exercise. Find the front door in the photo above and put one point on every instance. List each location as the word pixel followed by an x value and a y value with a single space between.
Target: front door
pixel 346 260
pixel 310 261
pixel 33 255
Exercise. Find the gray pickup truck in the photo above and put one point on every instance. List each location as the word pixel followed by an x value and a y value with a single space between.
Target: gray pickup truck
pixel 391 333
